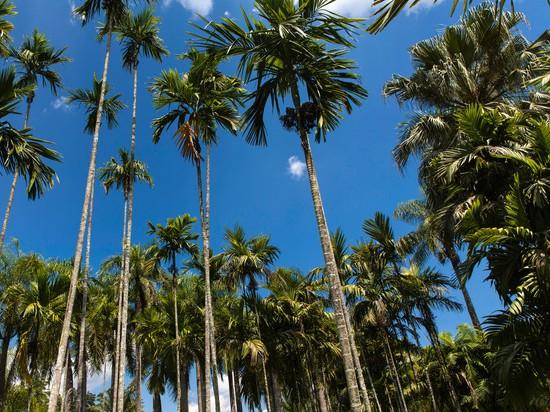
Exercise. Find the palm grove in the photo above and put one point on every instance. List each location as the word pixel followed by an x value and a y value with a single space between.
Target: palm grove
pixel 357 333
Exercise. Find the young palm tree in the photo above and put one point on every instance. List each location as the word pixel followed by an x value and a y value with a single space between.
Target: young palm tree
pixel 89 99
pixel 34 60
pixel 140 37
pixel 286 50
pixel 204 98
pixel 171 240
pixel 123 175
pixel 6 9
pixel 114 10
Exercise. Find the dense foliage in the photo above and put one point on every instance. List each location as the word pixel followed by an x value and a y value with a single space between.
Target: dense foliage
pixel 357 333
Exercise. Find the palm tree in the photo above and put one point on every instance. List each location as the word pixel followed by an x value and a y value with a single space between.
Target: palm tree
pixel 204 98
pixel 246 261
pixel 90 100
pixel 122 175
pixel 40 301
pixel 481 60
pixel 287 49
pixel 140 36
pixel 6 9
pixel 34 60
pixel 113 9
pixel 171 240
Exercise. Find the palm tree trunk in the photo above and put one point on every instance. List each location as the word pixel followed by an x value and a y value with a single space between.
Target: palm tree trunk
pixel 177 332
pixel 432 333
pixel 455 262
pixel 321 391
pixel 68 401
pixel 330 266
pixel 185 388
pixel 395 373
pixel 139 376
pixel 8 209
pixel 14 181
pixel 277 392
pixel 371 383
pixel 232 396
pixel 118 353
pixel 65 331
pixel 428 380
pixel 82 369
pixel 237 384
pixel 211 366
pixel 6 339
pixel 157 402
pixel 127 252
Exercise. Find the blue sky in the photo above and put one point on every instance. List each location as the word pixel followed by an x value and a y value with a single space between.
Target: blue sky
pixel 262 189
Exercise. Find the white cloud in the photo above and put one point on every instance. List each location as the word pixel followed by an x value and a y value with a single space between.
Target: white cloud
pixel 225 399
pixel 99 382
pixel 61 102
pixel 363 8
pixel 203 7
pixel 296 167
pixel 226 13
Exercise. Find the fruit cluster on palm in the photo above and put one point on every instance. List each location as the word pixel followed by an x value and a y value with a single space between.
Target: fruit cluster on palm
pixel 357 333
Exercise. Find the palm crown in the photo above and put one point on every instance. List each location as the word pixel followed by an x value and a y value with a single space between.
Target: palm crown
pixel 203 98
pixel 122 174
pixel 287 48
pixel 140 34
pixel 34 60
pixel 89 98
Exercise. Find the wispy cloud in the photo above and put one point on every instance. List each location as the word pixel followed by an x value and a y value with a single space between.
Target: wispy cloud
pixel 61 102
pixel 73 18
pixel 296 168
pixel 203 7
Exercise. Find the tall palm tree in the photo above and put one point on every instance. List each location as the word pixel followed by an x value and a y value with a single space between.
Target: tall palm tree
pixel 34 61
pixel 204 98
pixel 89 99
pixel 285 50
pixel 6 9
pixel 171 240
pixel 123 175
pixel 482 60
pixel 113 10
pixel 139 35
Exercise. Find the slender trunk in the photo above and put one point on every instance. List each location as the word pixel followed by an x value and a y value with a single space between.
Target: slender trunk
pixel 277 392
pixel 15 178
pixel 211 367
pixel 82 369
pixel 432 333
pixel 65 331
pixel 330 265
pixel 139 377
pixel 68 401
pixel 8 209
pixel 455 262
pixel 395 372
pixel 428 379
pixel 321 391
pixel 6 339
pixel 118 353
pixel 157 402
pixel 232 396
pixel 201 390
pixel 126 253
pixel 177 332
pixel 237 384
pixel 185 389
pixel 33 365
pixel 357 362
pixel 373 388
